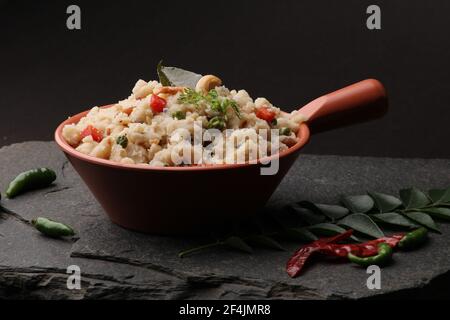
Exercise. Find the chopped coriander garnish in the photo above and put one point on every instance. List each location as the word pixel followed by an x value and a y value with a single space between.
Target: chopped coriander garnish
pixel 122 141
pixel 228 103
pixel 212 98
pixel 190 96
pixel 217 123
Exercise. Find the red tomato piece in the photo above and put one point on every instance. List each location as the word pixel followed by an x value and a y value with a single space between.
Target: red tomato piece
pixel 128 111
pixel 157 104
pixel 92 131
pixel 265 113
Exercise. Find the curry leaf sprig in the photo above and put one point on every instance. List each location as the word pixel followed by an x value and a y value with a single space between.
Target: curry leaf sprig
pixel 370 215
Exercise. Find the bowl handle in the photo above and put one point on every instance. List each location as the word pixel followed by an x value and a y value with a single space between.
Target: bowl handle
pixel 362 101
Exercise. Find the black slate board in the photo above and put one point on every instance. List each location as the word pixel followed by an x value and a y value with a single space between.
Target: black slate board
pixel 117 263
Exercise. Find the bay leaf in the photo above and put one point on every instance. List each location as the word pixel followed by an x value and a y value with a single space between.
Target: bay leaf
pixel 162 76
pixel 173 76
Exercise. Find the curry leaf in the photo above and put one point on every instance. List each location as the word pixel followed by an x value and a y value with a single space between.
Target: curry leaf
pixel 173 76
pixel 424 219
pixel 394 218
pixel 307 215
pixel 414 198
pixel 333 212
pixel 385 202
pixel 265 241
pixel 439 196
pixel 238 244
pixel 439 212
pixel 419 209
pixel 362 223
pixel 358 204
pixel 328 229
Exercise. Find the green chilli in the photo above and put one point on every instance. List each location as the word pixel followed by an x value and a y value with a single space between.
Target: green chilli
pixel 383 256
pixel 52 228
pixel 30 180
pixel 413 239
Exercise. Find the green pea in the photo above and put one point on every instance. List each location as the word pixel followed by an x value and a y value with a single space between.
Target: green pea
pixel 274 122
pixel 122 141
pixel 217 123
pixel 383 256
pixel 30 180
pixel 52 228
pixel 285 132
pixel 413 239
pixel 180 115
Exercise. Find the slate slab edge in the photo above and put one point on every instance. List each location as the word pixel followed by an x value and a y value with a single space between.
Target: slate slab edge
pixel 41 279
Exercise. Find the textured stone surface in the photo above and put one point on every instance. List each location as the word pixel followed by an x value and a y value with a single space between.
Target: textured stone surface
pixel 117 263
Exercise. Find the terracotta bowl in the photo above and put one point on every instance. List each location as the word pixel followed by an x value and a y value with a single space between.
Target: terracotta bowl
pixel 187 200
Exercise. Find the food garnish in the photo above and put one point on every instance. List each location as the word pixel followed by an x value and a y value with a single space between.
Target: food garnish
pixel 212 99
pixel 367 216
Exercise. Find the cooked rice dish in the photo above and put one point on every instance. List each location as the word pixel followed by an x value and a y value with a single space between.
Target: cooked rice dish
pixel 177 126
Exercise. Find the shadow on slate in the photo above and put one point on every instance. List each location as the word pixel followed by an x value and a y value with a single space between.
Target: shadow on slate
pixel 117 263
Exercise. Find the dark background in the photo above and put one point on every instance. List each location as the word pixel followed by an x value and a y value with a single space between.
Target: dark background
pixel 288 51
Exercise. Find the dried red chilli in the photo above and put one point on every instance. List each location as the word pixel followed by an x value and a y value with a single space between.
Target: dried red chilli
pixel 299 258
pixel 365 249
pixel 328 247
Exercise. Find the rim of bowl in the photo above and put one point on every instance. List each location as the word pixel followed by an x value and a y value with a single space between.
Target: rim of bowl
pixel 303 135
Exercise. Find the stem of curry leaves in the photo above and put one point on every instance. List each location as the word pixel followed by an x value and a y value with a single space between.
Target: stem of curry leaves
pixel 224 243
pixel 185 253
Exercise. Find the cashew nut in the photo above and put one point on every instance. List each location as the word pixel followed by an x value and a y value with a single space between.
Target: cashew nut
pixel 206 83
pixel 168 90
